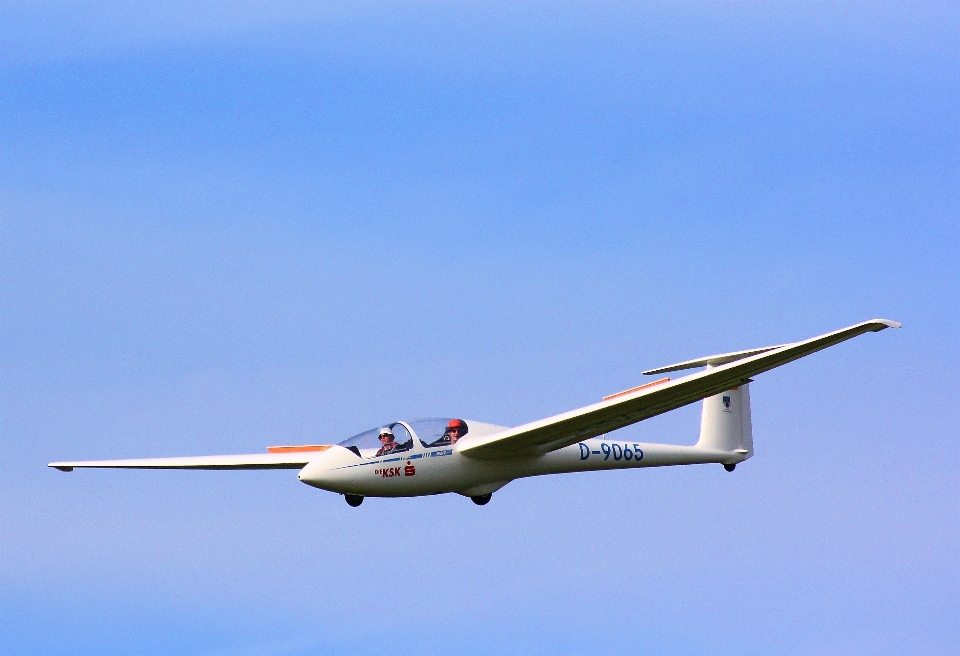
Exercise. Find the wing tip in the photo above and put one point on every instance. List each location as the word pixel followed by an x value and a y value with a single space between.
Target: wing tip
pixel 61 466
pixel 883 324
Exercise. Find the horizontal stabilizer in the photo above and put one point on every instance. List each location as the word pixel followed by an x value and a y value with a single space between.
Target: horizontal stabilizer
pixel 712 360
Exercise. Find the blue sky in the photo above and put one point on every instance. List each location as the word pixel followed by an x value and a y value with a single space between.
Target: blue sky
pixel 224 226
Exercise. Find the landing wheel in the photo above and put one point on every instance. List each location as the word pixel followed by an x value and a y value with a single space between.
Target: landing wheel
pixel 481 499
pixel 730 467
pixel 353 500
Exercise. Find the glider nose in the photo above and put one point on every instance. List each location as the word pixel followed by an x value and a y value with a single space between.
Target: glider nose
pixel 328 468
pixel 311 474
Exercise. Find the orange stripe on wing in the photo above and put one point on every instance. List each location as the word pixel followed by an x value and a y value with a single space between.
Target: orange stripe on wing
pixel 298 449
pixel 636 389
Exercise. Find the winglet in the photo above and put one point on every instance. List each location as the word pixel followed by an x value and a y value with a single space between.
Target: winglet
pixel 886 323
pixel 63 468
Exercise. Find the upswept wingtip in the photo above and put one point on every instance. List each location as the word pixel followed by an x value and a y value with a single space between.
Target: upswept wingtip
pixel 887 323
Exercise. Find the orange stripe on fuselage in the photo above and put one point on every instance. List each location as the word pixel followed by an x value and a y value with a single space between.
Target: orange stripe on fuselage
pixel 298 449
pixel 635 389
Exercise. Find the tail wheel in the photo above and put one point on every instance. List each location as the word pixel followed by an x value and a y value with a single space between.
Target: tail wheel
pixel 481 499
pixel 353 500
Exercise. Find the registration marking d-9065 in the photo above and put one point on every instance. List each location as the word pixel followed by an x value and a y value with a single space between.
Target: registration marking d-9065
pixel 617 450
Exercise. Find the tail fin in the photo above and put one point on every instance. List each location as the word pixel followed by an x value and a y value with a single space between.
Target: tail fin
pixel 725 424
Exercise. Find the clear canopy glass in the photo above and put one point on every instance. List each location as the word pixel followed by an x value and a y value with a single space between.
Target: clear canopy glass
pixel 398 437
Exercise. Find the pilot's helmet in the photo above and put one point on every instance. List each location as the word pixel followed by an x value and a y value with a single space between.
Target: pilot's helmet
pixel 386 431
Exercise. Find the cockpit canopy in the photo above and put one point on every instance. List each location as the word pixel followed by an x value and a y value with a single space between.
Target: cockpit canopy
pixel 399 436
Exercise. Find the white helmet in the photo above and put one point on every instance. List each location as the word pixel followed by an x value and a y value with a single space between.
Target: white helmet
pixel 385 431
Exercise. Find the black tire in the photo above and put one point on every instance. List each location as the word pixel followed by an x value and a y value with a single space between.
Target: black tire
pixel 353 500
pixel 730 467
pixel 481 499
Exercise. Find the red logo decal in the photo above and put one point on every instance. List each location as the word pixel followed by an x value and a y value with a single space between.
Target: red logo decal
pixel 409 470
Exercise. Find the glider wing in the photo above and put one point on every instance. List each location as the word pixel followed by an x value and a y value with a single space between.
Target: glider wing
pixel 545 435
pixel 277 458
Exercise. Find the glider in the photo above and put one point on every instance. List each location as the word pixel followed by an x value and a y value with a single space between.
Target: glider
pixel 475 459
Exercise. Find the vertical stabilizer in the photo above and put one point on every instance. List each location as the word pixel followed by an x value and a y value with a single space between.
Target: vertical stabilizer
pixel 725 424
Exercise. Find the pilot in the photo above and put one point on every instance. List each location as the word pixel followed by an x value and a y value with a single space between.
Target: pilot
pixel 456 429
pixel 387 441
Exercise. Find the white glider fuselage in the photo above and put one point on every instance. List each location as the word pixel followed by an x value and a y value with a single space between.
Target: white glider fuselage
pixel 440 470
